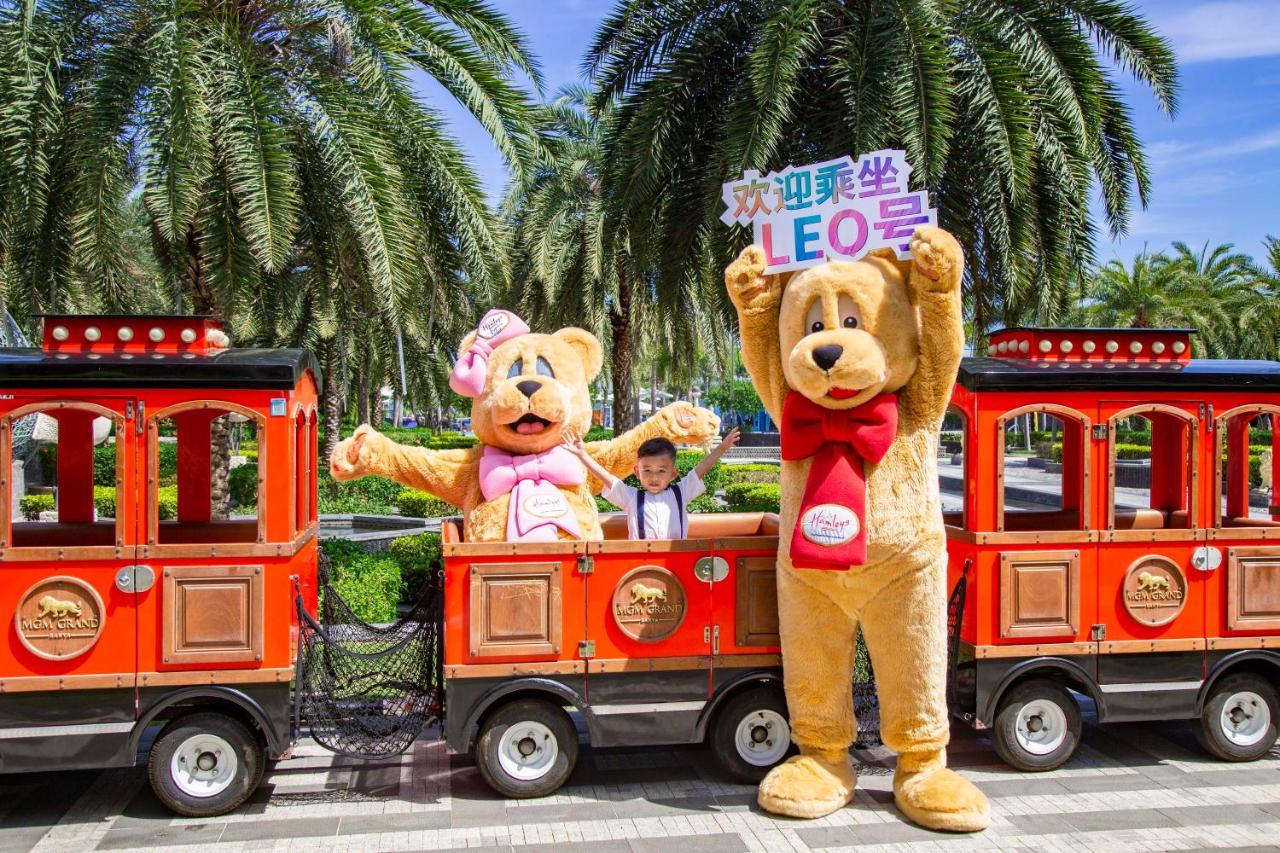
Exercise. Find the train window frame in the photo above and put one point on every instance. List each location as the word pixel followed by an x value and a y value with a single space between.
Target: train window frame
pixel 1064 414
pixel 1266 529
pixel 151 544
pixel 1191 426
pixel 300 443
pixel 966 467
pixel 20 553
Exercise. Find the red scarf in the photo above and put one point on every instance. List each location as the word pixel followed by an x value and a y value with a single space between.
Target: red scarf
pixel 830 532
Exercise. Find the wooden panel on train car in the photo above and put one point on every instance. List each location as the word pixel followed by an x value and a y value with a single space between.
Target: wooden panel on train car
pixel 745 594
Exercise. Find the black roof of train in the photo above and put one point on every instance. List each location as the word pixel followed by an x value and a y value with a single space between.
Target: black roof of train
pixel 1027 374
pixel 229 368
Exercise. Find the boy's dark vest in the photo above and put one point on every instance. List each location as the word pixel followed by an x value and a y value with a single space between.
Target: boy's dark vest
pixel 640 533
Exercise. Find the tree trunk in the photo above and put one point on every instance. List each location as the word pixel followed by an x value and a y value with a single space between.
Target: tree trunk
pixel 375 406
pixel 362 400
pixel 623 356
pixel 331 403
pixel 203 301
pixel 653 390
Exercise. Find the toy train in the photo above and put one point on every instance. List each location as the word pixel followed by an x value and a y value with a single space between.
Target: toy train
pixel 163 631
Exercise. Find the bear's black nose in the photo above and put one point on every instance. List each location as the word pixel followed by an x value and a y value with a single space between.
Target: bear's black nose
pixel 529 386
pixel 826 356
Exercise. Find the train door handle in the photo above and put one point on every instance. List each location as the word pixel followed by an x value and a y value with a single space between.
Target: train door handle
pixel 711 569
pixel 135 578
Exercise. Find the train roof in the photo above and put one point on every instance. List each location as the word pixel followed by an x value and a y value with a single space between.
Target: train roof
pixel 1028 374
pixel 228 368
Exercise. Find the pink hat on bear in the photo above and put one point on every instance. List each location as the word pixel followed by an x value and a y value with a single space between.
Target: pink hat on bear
pixel 469 371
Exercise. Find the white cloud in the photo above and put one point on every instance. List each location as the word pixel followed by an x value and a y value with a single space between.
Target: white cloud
pixel 1264 141
pixel 1226 30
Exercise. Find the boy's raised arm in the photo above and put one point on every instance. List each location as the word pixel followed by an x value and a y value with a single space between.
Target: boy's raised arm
pixel 573 442
pixel 709 461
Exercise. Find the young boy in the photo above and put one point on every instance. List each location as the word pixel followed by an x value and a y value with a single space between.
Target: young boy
pixel 659 510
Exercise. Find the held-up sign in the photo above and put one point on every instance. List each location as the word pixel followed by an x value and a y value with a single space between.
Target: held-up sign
pixel 837 210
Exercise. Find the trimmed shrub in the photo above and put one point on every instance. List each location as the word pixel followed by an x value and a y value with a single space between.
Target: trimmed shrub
pixel 418 504
pixel 104 465
pixel 598 433
pixel 369 495
pixel 244 485
pixel 419 559
pixel 1132 451
pixel 603 505
pixel 705 503
pixel 753 497
pixel 167 453
pixel 32 505
pixel 370 584
pixel 754 472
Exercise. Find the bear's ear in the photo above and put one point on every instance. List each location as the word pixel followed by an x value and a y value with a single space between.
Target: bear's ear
pixel 586 346
pixel 888 255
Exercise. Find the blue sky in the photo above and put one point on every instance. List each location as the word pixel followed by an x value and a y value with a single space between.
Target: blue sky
pixel 1215 166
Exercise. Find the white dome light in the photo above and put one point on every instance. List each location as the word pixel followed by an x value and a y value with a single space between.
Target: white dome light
pixel 1157 347
pixel 1066 346
pixel 1025 346
pixel 1135 347
pixel 1112 346
pixel 92 334
pixel 188 336
pixel 125 333
pixel 156 334
pixel 1088 346
pixel 1179 347
pixel 1045 346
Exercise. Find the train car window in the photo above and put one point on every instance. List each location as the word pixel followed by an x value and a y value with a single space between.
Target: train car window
pixel 66 492
pixel 313 511
pixel 1042 470
pixel 1152 468
pixel 953 470
pixel 301 471
pixel 207 463
pixel 1246 444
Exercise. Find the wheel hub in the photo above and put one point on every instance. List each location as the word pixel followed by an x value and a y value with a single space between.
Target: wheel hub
pixel 1245 718
pixel 762 738
pixel 203 765
pixel 1041 727
pixel 527 751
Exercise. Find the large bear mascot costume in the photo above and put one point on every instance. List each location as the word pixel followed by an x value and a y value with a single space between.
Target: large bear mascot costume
pixel 855 362
pixel 520 483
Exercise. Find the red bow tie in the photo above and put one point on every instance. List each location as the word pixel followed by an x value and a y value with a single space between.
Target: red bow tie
pixel 830 531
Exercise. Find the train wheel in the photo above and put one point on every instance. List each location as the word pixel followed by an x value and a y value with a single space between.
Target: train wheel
pixel 527 748
pixel 751 734
pixel 204 765
pixel 1239 718
pixel 1037 726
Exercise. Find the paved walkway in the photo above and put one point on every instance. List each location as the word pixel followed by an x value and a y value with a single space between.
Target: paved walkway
pixel 1130 787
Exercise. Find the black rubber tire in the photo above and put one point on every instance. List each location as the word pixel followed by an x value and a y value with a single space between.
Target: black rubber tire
pixel 1005 734
pixel 514 713
pixel 722 737
pixel 251 762
pixel 1209 732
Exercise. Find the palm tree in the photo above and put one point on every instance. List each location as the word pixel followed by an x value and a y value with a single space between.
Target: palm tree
pixel 1005 108
pixel 283 157
pixel 1260 320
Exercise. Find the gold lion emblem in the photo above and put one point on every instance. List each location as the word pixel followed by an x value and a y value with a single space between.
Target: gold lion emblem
pixel 641 594
pixel 1148 581
pixel 50 606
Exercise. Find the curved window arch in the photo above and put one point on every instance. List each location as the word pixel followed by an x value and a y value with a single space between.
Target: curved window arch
pixel 188 499
pixel 1244 435
pixel 1048 490
pixel 953 466
pixel 1152 482
pixel 87 520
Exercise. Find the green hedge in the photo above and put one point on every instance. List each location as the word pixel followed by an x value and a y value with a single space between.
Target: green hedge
pixel 419 558
pixel 753 497
pixel 244 485
pixel 370 584
pixel 754 472
pixel 370 495
pixel 424 437
pixel 418 504
pixel 598 433
pixel 104 501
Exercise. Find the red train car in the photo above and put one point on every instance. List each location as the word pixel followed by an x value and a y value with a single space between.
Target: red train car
pixel 146 623
pixel 1157 598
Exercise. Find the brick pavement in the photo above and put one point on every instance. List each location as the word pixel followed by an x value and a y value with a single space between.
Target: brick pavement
pixel 1130 787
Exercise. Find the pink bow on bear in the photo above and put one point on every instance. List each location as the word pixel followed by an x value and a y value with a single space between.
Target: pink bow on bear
pixel 537 506
pixel 471 367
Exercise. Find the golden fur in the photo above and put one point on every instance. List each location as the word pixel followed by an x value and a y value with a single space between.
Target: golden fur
pixel 564 400
pixel 907 339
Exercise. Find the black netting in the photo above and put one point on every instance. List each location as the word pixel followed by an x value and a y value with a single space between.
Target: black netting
pixel 955 614
pixel 368 690
pixel 866 703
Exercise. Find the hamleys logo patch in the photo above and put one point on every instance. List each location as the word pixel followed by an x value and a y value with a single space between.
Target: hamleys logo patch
pixel 830 525
pixel 546 506
pixel 493 326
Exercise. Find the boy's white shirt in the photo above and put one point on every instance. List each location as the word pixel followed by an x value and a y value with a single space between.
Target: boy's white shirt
pixel 659 509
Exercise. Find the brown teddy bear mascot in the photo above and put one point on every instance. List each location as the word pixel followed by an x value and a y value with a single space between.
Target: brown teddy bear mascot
pixel 855 362
pixel 520 483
